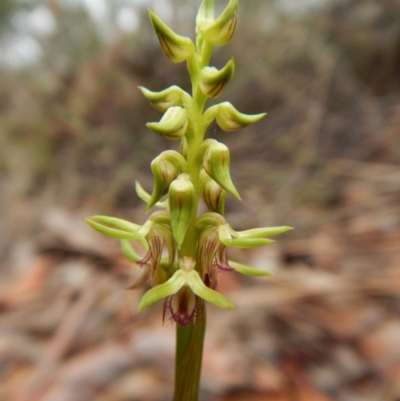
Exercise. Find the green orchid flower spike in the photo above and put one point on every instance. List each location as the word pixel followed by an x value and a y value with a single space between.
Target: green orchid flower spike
pixel 184 252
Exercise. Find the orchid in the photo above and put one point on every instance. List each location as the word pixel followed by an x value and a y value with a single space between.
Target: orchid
pixel 184 252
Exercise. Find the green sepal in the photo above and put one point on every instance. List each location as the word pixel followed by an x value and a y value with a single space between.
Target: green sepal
pixel 263 232
pixel 163 100
pixel 165 168
pixel 222 29
pixel 164 173
pixel 160 217
pixel 209 219
pixel 213 81
pixel 205 15
pixel 116 228
pixel 225 237
pixel 247 270
pixel 145 196
pixel 229 119
pixel 200 289
pixel 129 252
pixel 209 115
pixel 172 125
pixel 176 47
pixel 172 286
pixel 216 164
pixel 181 196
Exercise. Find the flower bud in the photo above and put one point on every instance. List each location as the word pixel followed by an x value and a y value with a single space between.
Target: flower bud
pixel 164 173
pixel 165 99
pixel 212 81
pixel 222 29
pixel 176 47
pixel 214 196
pixel 172 125
pixel 216 164
pixel 229 119
pixel 181 197
pixel 205 16
pixel 183 147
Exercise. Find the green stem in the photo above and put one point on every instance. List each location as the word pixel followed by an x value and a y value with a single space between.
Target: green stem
pixel 189 353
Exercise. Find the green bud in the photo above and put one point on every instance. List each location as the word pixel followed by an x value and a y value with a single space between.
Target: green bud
pixel 177 48
pixel 183 147
pixel 165 168
pixel 229 119
pixel 181 197
pixel 222 29
pixel 165 99
pixel 216 164
pixel 164 173
pixel 172 125
pixel 212 81
pixel 214 196
pixel 205 16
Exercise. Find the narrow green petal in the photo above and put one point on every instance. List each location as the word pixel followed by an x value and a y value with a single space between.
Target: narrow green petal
pixel 247 270
pixel 112 232
pixel 263 232
pixel 247 242
pixel 142 193
pixel 114 222
pixel 209 295
pixel 225 237
pixel 145 196
pixel 129 252
pixel 172 286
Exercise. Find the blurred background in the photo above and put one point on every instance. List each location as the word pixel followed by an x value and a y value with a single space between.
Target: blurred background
pixel 325 160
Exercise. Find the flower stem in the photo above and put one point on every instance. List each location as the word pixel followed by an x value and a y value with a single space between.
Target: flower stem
pixel 189 353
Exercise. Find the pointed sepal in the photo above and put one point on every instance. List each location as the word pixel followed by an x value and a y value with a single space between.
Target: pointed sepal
pixel 129 252
pixel 165 168
pixel 247 270
pixel 201 290
pixel 216 164
pixel 145 196
pixel 263 232
pixel 222 29
pixel 163 100
pixel 212 81
pixel 176 47
pixel 172 125
pixel 172 286
pixel 229 119
pixel 205 15
pixel 116 228
pixel 225 236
